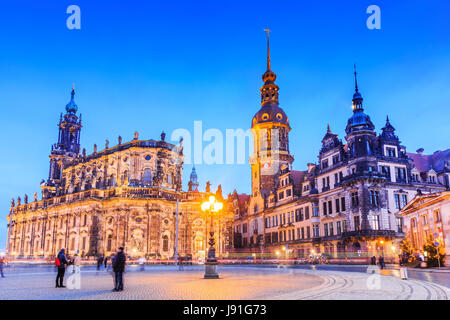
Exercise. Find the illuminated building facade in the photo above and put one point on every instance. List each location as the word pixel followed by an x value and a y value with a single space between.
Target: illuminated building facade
pixel 428 215
pixel 124 195
pixel 346 205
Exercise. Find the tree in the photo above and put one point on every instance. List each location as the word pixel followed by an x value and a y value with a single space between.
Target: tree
pixel 432 252
pixel 406 246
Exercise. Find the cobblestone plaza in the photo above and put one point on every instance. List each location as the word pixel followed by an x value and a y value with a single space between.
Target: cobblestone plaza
pixel 236 282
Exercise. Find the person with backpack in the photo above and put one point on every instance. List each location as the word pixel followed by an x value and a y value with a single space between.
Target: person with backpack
pixel 118 264
pixel 61 263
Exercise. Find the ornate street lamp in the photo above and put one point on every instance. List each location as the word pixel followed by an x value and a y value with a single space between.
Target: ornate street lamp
pixel 212 206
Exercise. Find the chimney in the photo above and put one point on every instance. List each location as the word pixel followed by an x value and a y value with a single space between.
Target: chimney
pixel 310 167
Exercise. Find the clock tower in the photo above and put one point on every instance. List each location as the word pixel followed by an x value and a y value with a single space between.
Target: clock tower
pixel 270 128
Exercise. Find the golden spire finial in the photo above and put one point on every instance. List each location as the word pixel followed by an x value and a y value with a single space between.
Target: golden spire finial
pixel 268 48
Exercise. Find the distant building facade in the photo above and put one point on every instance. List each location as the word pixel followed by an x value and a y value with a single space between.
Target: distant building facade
pixel 124 195
pixel 427 215
pixel 346 205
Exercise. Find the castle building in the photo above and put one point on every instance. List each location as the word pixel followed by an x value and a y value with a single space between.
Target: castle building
pixel 346 205
pixel 124 195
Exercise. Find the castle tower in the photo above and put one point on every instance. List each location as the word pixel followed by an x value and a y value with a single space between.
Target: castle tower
pixel 361 145
pixel 270 128
pixel 68 146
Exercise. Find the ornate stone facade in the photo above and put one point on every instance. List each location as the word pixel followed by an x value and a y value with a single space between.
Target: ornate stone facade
pixel 346 206
pixel 125 195
pixel 428 215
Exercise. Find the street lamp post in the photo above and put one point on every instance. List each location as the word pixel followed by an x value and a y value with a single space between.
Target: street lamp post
pixel 176 235
pixel 212 206
pixel 11 224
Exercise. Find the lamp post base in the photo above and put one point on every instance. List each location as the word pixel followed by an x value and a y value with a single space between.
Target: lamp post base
pixel 211 270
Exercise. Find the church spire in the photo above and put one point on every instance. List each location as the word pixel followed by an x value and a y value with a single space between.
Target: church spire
pixel 268 50
pixel 357 97
pixel 269 91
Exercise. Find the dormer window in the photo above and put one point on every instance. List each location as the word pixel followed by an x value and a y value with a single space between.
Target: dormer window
pixel 390 152
pixel 325 164
pixel 335 159
pixel 415 177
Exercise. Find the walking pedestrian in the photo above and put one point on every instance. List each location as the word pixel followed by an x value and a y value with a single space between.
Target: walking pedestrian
pixel 381 262
pixel 119 268
pixel 374 260
pixel 111 259
pixel 99 262
pixel 142 261
pixel 106 263
pixel 76 263
pixel 2 264
pixel 61 262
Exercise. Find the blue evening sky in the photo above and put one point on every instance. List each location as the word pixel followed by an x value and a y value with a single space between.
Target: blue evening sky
pixel 160 65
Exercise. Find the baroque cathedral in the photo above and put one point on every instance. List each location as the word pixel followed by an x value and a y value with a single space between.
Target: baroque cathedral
pixel 344 206
pixel 125 195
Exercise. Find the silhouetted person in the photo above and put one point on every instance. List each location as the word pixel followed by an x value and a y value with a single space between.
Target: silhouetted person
pixel 381 262
pixel 99 262
pixel 106 262
pixel 2 264
pixel 118 264
pixel 61 268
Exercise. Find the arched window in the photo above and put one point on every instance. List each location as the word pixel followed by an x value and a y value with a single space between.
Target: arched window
pixel 165 243
pixel 112 181
pixel 125 177
pixel 147 177
pixel 109 243
pixel 198 243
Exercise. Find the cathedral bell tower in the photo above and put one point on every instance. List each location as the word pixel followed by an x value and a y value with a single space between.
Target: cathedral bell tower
pixel 270 128
pixel 67 148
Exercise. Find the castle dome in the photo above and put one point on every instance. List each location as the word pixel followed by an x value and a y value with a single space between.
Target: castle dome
pixel 270 113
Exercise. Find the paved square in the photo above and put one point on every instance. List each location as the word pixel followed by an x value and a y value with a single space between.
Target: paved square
pixel 236 282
